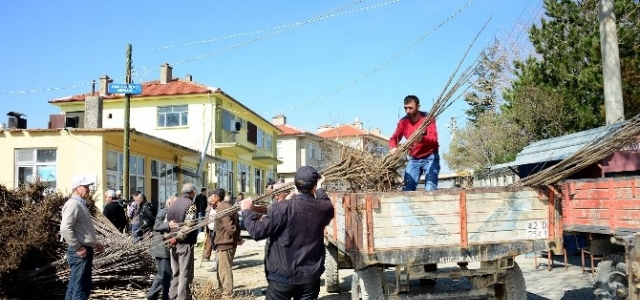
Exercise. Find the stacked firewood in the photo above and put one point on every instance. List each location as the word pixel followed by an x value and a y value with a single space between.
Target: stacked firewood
pixel 34 264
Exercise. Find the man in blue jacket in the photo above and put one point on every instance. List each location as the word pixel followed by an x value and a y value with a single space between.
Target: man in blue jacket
pixel 295 228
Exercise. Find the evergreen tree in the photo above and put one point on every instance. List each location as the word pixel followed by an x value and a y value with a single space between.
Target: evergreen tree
pixel 570 67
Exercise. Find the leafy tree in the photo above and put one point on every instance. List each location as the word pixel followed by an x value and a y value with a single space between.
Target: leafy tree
pixel 493 139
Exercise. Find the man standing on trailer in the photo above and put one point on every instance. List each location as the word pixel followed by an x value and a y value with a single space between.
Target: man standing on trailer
pixel 423 155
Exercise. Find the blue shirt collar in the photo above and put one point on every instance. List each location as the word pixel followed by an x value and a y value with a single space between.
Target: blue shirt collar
pixel 79 199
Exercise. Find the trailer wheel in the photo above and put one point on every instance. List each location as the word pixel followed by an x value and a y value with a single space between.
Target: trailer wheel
pixel 513 286
pixel 611 279
pixel 367 284
pixel 331 277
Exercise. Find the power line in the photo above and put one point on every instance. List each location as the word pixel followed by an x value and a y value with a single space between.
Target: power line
pixel 267 29
pixel 334 12
pixel 379 67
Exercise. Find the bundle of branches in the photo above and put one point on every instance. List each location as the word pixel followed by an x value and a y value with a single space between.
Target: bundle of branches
pixel 30 222
pixel 602 146
pixel 34 263
pixel 122 269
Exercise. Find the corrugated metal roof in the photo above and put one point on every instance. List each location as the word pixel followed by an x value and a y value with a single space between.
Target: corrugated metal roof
pixel 558 148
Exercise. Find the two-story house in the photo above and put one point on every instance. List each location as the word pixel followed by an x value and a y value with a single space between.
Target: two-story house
pixel 355 136
pixel 297 148
pixel 196 116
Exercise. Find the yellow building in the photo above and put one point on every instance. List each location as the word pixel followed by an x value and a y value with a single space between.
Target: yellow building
pixel 157 167
pixel 187 113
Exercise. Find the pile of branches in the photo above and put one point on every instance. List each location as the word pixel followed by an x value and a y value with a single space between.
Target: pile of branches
pixel 34 264
pixel 615 138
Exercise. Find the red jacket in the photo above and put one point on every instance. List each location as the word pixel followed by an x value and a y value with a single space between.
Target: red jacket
pixel 421 148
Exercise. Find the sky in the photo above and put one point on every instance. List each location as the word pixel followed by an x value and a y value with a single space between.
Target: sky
pixel 316 62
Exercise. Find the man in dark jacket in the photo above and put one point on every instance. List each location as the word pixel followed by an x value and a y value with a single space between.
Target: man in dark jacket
pixel 162 280
pixel 201 203
pixel 295 228
pixel 180 212
pixel 227 238
pixel 114 211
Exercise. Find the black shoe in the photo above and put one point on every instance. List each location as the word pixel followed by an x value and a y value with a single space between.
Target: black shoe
pixel 264 292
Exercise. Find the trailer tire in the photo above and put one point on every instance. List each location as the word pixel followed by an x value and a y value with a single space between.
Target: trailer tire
pixel 611 279
pixel 331 273
pixel 367 284
pixel 513 286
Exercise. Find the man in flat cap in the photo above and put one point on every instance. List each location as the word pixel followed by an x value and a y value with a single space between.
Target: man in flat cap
pixel 78 232
pixel 295 229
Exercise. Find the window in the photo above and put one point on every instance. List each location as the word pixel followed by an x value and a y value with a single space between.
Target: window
pixel 189 175
pixel 225 175
pixel 268 141
pixel 260 139
pixel 172 116
pixel 258 178
pixel 115 172
pixel 164 181
pixel 244 179
pixel 279 150
pixel 312 148
pixel 252 133
pixel 320 154
pixel 271 176
pixel 228 121
pixel 32 164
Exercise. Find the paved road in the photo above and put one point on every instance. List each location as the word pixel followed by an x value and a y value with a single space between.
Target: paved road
pixel 569 284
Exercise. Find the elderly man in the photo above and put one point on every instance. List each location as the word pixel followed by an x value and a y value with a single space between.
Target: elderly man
pixel 119 198
pixel 182 210
pixel 226 241
pixel 162 280
pixel 78 232
pixel 113 211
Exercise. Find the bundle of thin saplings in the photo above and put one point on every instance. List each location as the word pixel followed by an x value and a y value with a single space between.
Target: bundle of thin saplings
pixel 612 139
pixel 34 264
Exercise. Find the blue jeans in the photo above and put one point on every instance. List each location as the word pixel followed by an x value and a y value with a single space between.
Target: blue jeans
pixel 429 165
pixel 79 286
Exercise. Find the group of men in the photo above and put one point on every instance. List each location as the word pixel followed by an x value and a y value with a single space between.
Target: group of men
pixel 293 225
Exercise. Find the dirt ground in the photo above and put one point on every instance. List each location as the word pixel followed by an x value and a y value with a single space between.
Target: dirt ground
pixel 559 283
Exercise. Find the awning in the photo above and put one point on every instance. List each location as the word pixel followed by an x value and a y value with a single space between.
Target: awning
pixel 234 147
pixel 267 160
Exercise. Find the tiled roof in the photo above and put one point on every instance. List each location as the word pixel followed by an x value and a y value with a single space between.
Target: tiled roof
pixel 153 88
pixel 346 130
pixel 289 130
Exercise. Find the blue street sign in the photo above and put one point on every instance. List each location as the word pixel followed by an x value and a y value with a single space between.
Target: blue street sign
pixel 124 88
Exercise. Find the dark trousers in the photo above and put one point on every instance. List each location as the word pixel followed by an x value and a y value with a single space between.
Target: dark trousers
pixel 79 287
pixel 282 291
pixel 162 280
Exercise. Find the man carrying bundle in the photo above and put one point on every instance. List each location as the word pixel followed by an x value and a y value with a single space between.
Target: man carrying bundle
pixel 423 154
pixel 295 229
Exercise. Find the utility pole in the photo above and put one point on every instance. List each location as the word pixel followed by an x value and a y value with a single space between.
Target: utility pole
pixel 613 102
pixel 127 116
